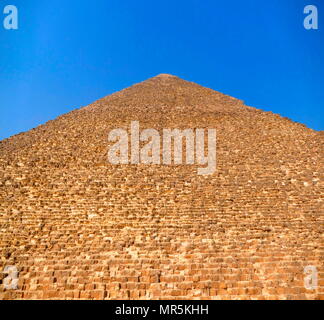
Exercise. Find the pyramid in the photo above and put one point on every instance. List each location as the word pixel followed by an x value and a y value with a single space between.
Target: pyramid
pixel 77 227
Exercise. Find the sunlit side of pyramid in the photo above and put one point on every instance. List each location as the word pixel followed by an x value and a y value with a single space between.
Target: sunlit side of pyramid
pixel 77 227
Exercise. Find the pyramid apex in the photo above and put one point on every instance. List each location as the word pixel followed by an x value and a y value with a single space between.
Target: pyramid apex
pixel 165 75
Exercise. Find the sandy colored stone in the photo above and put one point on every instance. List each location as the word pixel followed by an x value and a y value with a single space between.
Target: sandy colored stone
pixel 80 228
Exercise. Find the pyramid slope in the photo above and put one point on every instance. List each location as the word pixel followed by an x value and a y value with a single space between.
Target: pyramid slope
pixel 78 227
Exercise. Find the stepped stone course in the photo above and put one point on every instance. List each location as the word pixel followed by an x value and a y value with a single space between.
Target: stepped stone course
pixel 77 227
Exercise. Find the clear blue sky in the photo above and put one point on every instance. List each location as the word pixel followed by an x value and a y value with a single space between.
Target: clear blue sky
pixel 68 53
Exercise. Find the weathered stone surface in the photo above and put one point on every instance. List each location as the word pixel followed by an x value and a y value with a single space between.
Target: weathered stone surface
pixel 77 227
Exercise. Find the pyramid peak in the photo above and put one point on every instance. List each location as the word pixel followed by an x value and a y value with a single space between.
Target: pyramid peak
pixel 165 75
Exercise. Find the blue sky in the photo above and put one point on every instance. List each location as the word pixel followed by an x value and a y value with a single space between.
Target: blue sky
pixel 68 53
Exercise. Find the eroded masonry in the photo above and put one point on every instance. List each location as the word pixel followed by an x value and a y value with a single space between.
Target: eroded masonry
pixel 78 227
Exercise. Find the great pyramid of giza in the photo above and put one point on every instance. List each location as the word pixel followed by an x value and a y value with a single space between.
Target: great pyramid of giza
pixel 77 227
